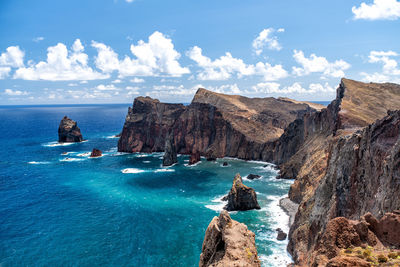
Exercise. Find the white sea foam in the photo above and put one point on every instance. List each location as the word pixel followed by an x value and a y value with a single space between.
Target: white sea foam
pixel 141 155
pixel 219 204
pixel 146 161
pixel 132 170
pixel 192 165
pixel 164 170
pixel 55 143
pixel 68 153
pixel 38 162
pixel 85 154
pixel 71 159
pixel 120 154
pixel 112 136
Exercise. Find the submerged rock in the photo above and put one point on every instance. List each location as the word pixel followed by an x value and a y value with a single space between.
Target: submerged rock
pixel 241 197
pixel 170 155
pixel 194 158
pixel 228 243
pixel 68 131
pixel 225 164
pixel 253 176
pixel 96 153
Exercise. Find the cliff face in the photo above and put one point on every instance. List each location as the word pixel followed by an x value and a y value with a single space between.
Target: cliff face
pixel 228 243
pixel 344 167
pixel 215 125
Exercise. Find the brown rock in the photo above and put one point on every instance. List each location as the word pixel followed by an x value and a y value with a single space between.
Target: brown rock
pixel 170 155
pixel 344 261
pixel 95 153
pixel 194 158
pixel 228 243
pixel 241 197
pixel 281 234
pixel 253 176
pixel 68 131
pixel 225 164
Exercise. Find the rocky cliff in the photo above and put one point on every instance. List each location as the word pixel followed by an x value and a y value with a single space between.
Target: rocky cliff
pixel 228 243
pixel 241 197
pixel 345 159
pixel 214 125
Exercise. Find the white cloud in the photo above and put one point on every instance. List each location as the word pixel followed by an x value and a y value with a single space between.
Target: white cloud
pixel 109 87
pixel 15 93
pixel 295 88
pixel 225 66
pixel 61 65
pixel 12 58
pixel 129 1
pixel 137 80
pixel 390 67
pixel 318 64
pixel 226 89
pixel 117 81
pixel 379 9
pixel 38 39
pixel 266 39
pixel 72 84
pixel 154 58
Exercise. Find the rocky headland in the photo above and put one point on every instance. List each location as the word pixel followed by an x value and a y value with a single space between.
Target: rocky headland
pixel 345 160
pixel 228 243
pixel 68 131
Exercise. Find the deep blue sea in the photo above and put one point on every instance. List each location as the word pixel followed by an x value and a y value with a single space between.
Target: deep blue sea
pixel 120 209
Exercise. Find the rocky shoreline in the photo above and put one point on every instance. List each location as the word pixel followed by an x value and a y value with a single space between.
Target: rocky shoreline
pixel 345 158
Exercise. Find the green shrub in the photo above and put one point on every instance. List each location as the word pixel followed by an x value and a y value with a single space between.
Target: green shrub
pixel 367 252
pixel 392 255
pixel 382 258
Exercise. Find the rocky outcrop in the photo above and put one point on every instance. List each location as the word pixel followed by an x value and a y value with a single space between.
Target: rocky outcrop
pixel 95 153
pixel 194 158
pixel 281 234
pixel 241 197
pixel 362 175
pixel 215 125
pixel 170 155
pixel 68 131
pixel 228 243
pixel 253 176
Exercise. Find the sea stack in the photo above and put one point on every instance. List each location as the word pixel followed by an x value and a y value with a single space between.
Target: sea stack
pixel 194 158
pixel 241 197
pixel 96 153
pixel 68 131
pixel 170 155
pixel 228 243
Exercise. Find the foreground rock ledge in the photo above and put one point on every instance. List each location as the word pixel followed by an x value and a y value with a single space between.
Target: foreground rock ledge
pixel 241 197
pixel 68 131
pixel 228 243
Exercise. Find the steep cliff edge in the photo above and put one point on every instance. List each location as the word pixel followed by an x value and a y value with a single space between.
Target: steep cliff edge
pixel 215 125
pixel 228 243
pixel 345 163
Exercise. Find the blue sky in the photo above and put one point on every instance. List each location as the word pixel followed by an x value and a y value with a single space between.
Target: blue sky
pixel 110 51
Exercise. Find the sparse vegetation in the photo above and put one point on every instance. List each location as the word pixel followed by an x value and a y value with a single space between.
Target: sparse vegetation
pixel 382 258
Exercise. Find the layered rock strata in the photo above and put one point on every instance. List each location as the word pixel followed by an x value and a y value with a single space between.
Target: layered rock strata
pixel 228 243
pixel 241 197
pixel 68 131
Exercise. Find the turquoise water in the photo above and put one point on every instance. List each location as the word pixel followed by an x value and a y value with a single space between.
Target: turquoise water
pixel 120 209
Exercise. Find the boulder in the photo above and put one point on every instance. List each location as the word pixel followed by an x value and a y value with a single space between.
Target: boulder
pixel 225 164
pixel 241 197
pixel 194 158
pixel 170 155
pixel 68 131
pixel 228 243
pixel 96 153
pixel 253 176
pixel 281 234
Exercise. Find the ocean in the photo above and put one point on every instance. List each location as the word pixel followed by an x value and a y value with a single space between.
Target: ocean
pixel 60 209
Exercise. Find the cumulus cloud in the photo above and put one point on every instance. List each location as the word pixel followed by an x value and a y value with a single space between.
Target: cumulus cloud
pixel 137 80
pixel 61 65
pixel 38 39
pixel 390 67
pixel 109 87
pixel 12 58
pixel 15 92
pixel 155 58
pixel 318 64
pixel 267 39
pixel 378 10
pixel 295 88
pixel 225 66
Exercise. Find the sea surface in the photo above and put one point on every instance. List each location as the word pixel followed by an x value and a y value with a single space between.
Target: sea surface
pixel 58 207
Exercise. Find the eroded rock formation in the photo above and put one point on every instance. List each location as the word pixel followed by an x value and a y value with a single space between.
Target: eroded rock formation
pixel 228 243
pixel 170 157
pixel 68 131
pixel 194 158
pixel 241 197
pixel 96 153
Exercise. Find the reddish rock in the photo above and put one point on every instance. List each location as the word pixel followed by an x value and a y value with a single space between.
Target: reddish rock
pixel 96 153
pixel 343 261
pixel 194 158
pixel 68 131
pixel 228 243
